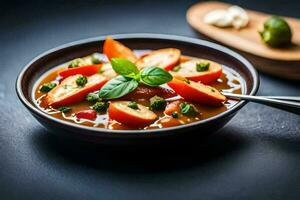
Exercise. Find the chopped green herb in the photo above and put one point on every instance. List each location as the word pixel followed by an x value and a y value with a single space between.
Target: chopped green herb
pixel 81 81
pixel 95 60
pixel 133 105
pixel 100 106
pixel 76 63
pixel 202 66
pixel 176 68
pixel 213 90
pixel 188 109
pixel 157 103
pixel 64 109
pixel 47 87
pixel 92 97
pixel 187 81
pixel 175 115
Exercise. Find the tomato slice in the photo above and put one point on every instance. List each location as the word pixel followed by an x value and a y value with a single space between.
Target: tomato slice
pixel 115 49
pixel 197 92
pixel 87 70
pixel 145 92
pixel 107 71
pixel 67 92
pixel 188 70
pixel 164 58
pixel 86 114
pixel 141 117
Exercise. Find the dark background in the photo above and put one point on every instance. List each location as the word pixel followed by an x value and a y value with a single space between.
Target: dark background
pixel 256 156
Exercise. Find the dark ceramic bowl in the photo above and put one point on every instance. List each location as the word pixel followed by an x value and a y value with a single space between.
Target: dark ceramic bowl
pixel 192 47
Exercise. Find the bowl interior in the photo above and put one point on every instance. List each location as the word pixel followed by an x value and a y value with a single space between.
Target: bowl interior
pixel 188 46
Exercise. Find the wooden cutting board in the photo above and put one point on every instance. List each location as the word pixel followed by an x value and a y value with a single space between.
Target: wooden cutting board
pixel 283 62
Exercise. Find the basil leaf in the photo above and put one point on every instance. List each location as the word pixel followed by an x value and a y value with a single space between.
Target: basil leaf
pixel 155 76
pixel 124 67
pixel 118 87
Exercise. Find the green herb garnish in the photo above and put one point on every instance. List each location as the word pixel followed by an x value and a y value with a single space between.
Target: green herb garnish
pixel 100 106
pixel 76 63
pixel 124 67
pixel 64 109
pixel 130 77
pixel 92 97
pixel 81 81
pixel 47 87
pixel 95 60
pixel 118 87
pixel 202 66
pixel 187 81
pixel 176 68
pixel 133 105
pixel 175 115
pixel 157 103
pixel 155 76
pixel 188 109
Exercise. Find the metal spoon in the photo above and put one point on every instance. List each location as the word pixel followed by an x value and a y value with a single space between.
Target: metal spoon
pixel 290 104
pixel 287 103
pixel 288 98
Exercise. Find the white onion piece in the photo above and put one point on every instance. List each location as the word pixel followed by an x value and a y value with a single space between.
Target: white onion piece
pixel 218 18
pixel 239 16
pixel 234 16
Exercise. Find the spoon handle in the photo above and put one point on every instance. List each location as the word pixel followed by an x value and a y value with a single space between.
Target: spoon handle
pixel 289 106
pixel 288 98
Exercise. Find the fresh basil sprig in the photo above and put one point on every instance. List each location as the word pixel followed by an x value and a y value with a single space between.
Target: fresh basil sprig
pixel 155 76
pixel 130 77
pixel 124 67
pixel 118 87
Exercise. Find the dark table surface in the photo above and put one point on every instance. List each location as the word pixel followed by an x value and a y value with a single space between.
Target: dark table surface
pixel 256 156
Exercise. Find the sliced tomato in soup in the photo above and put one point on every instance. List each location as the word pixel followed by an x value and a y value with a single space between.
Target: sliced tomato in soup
pixel 121 112
pixel 67 92
pixel 87 70
pixel 197 92
pixel 164 58
pixel 188 70
pixel 107 71
pixel 115 49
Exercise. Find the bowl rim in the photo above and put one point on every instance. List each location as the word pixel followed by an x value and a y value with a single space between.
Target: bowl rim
pixel 145 36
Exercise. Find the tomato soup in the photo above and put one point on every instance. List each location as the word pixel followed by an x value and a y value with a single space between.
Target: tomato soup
pixel 122 89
